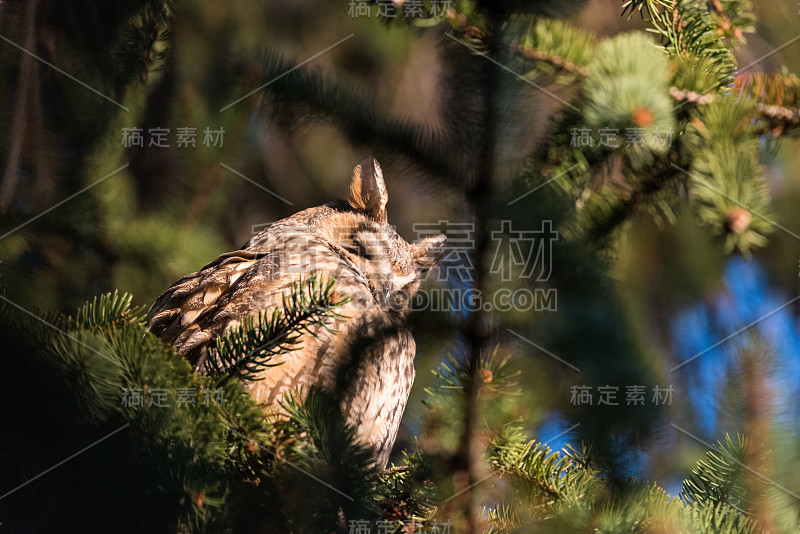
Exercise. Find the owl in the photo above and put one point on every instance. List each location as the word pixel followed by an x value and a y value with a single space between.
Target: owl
pixel 365 358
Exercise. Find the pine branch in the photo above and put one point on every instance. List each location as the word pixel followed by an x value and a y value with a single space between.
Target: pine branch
pixel 557 62
pixel 503 519
pixel 650 186
pixel 553 480
pixel 563 48
pixel 345 476
pixel 776 96
pixel 778 120
pixel 109 310
pixel 716 519
pixel 492 370
pixel 720 478
pixel 696 28
pixel 407 490
pixel 206 457
pixel 138 52
pixel 716 159
pixel 653 7
pixel 119 374
pixel 727 186
pixel 681 95
pixel 245 351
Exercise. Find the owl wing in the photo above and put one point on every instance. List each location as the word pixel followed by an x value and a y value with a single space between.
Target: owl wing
pixel 203 305
pixel 184 314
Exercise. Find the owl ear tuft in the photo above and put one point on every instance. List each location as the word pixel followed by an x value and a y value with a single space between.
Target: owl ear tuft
pixel 368 190
pixel 428 252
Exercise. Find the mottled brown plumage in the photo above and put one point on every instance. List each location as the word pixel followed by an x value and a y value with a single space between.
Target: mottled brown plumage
pixel 367 362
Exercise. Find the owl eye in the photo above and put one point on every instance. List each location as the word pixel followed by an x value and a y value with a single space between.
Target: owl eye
pixel 367 245
pixel 381 290
pixel 356 248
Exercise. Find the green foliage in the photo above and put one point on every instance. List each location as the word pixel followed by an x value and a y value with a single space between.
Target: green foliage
pixel 141 47
pixel 719 479
pixel 554 47
pixel 246 350
pixel 409 486
pixel 696 73
pixel 716 493
pixel 547 480
pixel 325 469
pixel 718 519
pixel 499 392
pixel 626 92
pixel 87 361
pixel 151 249
pixel 653 7
pixel 494 371
pixel 204 441
pixel 107 311
pixel 212 460
pixel 532 488
pixel 728 189
pixel 695 28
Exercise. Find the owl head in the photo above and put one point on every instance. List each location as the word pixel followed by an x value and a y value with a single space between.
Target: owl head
pixel 357 229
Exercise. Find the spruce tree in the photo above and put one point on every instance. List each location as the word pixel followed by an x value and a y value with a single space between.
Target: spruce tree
pixel 542 125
